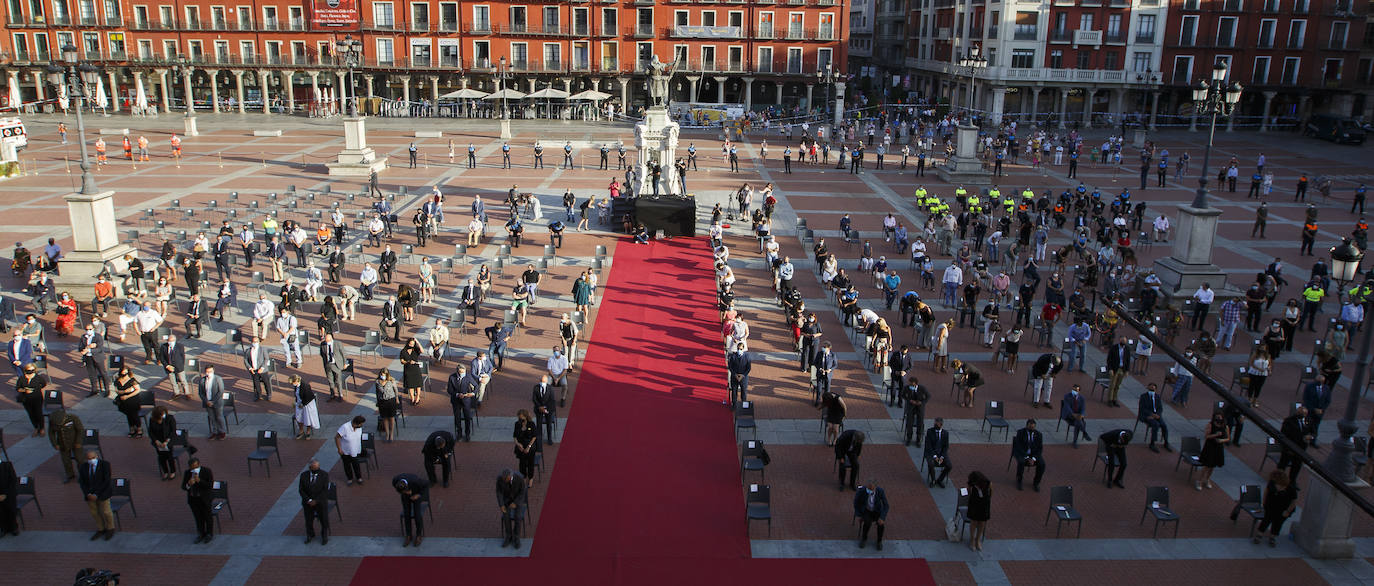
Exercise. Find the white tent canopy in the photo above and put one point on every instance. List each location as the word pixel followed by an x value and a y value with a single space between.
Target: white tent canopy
pixel 466 93
pixel 505 94
pixel 100 98
pixel 592 95
pixel 548 93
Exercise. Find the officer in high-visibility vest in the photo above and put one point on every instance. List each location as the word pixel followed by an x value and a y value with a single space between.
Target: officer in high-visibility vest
pixel 961 196
pixel 1311 303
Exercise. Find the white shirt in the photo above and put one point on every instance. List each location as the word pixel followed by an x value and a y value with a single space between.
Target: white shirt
pixel 1204 295
pixel 286 325
pixel 786 270
pixel 475 225
pixel 376 225
pixel 954 274
pixel 558 363
pixel 246 237
pixel 147 319
pixel 262 309
pixel 312 275
pixel 890 222
pixel 350 440
pixel 369 276
pixel 1161 223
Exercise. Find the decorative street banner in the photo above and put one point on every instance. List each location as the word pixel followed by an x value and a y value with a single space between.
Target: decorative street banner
pixel 334 13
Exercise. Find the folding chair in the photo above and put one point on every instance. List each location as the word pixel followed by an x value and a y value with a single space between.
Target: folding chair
pixel 993 418
pixel 1250 503
pixel 266 447
pixel 121 497
pixel 744 419
pixel 92 441
pixel 756 502
pixel 219 500
pixel 1190 451
pixel 28 493
pixel 332 496
pixel 372 343
pixel 1061 504
pixel 1157 504
pixel 751 459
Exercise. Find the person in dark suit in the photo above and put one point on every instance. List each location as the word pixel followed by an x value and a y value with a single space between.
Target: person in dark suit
pixel 848 447
pixel 1071 409
pixel 97 484
pixel 414 493
pixel 438 449
pixel 337 260
pixel 314 490
pixel 93 357
pixel 870 506
pixel 386 265
pixel 198 482
pixel 914 397
pixel 335 361
pixel 545 408
pixel 9 495
pixel 1316 398
pixel 898 365
pixel 1027 448
pixel 1298 429
pixel 512 499
pixel 739 365
pixel 823 364
pixel 1150 411
pixel 1115 442
pixel 172 357
pixel 19 352
pixel 1118 365
pixel 391 319
pixel 462 397
pixel 195 314
pixel 936 453
pixel 471 297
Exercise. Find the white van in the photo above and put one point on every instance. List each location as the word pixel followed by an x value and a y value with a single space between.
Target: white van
pixel 12 131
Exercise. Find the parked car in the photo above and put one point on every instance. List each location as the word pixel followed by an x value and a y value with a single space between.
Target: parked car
pixel 1337 129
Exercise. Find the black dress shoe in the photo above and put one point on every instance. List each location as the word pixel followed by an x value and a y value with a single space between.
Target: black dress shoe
pixel 109 534
pixel 878 546
pixel 1118 484
pixel 324 540
pixel 97 535
pixel 309 538
pixel 209 538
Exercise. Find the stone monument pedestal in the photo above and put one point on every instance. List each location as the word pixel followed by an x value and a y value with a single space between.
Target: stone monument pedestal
pixel 656 139
pixel 1324 529
pixel 95 241
pixel 1138 138
pixel 964 167
pixel 190 126
pixel 356 159
pixel 1190 264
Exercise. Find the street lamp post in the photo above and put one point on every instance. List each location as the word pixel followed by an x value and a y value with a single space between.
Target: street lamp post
pixel 78 77
pixel 502 75
pixel 351 51
pixel 1345 268
pixel 826 77
pixel 1214 99
pixel 974 62
pixel 183 68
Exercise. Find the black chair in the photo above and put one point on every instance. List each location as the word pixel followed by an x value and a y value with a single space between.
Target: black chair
pixel 52 398
pixel 756 502
pixel 122 496
pixel 1101 456
pixel 425 507
pixel 372 343
pixel 180 444
pixel 219 501
pixel 27 494
pixel 266 448
pixel 369 453
pixel 1251 503
pixel 348 374
pixel 961 511
pixel 3 450
pixel 1190 451
pixel 230 406
pixel 1157 504
pixel 332 497
pixel 92 441
pixel 146 403
pixel 1273 452
pixel 751 459
pixel 744 419
pixel 1061 504
pixel 994 419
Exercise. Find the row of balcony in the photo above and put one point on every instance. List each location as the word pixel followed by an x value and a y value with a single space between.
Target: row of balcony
pixel 1291 44
pixel 1027 74
pixel 17 21
pixel 735 32
pixel 781 2
pixel 222 26
pixel 1096 37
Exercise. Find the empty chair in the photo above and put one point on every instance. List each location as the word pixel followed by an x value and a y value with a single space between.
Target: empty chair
pixel 372 343
pixel 332 495
pixel 744 419
pixel 230 407
pixel 52 398
pixel 1157 504
pixel 756 502
pixel 266 448
pixel 91 441
pixel 28 493
pixel 994 419
pixel 752 458
pixel 1272 452
pixel 1190 450
pixel 121 497
pixel 219 501
pixel 1061 504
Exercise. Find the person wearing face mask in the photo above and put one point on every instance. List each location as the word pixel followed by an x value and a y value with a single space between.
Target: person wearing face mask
pixel 97 485
pixel 739 364
pixel 557 368
pixel 33 332
pixel 198 482
pixel 66 315
pixel 314 491
pixel 1213 454
pixel 1183 379
pixel 147 320
pixel 30 389
pixel 19 352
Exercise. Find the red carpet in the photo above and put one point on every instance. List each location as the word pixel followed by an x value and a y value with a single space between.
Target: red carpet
pixel 646 486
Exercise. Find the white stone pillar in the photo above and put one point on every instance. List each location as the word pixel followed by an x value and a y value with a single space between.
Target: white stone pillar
pixel 265 90
pixel 238 87
pixel 839 102
pixel 113 90
pixel 1063 106
pixel 624 93
pixel 164 90
pixel 999 102
pixel 405 88
pixel 367 79
pixel 1154 107
pixel 1035 104
pixel 692 81
pixel 214 89
pixel 1088 96
pixel 720 88
pixel 190 92
pixel 434 90
pixel 748 94
pixel 289 77
pixel 314 91
pixel 344 91
pixel 810 89
pixel 778 94
pixel 1264 116
pixel 40 94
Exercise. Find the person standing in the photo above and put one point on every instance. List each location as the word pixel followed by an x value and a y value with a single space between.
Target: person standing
pixel 314 491
pixel 1280 498
pixel 414 493
pixel 438 450
pixel 1213 454
pixel 1071 410
pixel 306 408
pixel 335 361
pixel 162 428
pixel 414 152
pixel 512 499
pixel 1115 442
pixel 545 408
pixel 915 396
pixel 9 497
pixel 349 443
pixel 739 365
pixel 462 392
pixel 526 437
pixel 64 433
pixel 848 447
pixel 979 509
pixel 870 506
pixel 199 482
pixel 1202 301
pixel 172 357
pixel 255 360
pixel 97 484
pixel 30 387
pixel 212 399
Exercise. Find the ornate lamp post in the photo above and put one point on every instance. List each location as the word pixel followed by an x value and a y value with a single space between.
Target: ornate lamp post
pixel 1190 263
pixel 964 166
pixel 79 78
pixel 503 74
pixel 1150 81
pixel 351 51
pixel 973 62
pixel 826 77
pixel 182 67
pixel 1345 268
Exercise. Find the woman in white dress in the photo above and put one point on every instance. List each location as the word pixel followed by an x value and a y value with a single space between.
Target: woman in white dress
pixel 307 416
pixel 829 268
pixel 942 344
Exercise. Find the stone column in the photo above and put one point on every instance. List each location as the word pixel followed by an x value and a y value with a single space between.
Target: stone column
pixel 1154 108
pixel 314 87
pixel 839 102
pixel 1088 96
pixel 343 92
pixel 624 92
pixel 567 84
pixel 367 79
pixel 214 89
pixel 289 77
pixel 810 88
pixel 692 81
pixel 999 102
pixel 720 89
pixel 1303 102
pixel 748 94
pixel 38 86
pixel 265 90
pixel 1035 104
pixel 238 87
pixel 164 90
pixel 777 96
pixel 530 81
pixel 138 86
pixel 114 90
pixel 1229 121
pixel 190 93
pixel 434 90
pixel 1063 106
pixel 1264 116
pixel 405 87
